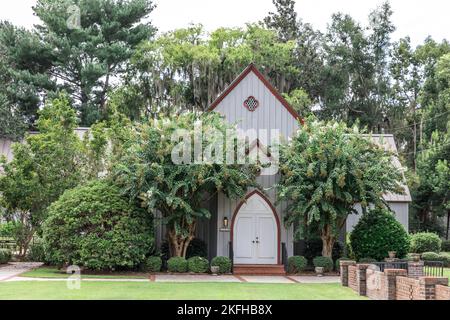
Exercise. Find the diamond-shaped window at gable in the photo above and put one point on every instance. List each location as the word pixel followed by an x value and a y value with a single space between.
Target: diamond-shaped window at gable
pixel 251 103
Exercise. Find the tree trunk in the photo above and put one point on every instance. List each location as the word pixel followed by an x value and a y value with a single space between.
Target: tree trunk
pixel 179 244
pixel 328 240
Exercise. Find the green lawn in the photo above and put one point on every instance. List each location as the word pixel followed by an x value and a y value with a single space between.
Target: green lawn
pixel 57 290
pixel 447 273
pixel 51 272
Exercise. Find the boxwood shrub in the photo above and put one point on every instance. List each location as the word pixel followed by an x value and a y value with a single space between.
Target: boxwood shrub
pixel 376 233
pixel 198 264
pixel 430 256
pixel 425 242
pixel 177 264
pixel 94 226
pixel 152 264
pixel 223 263
pixel 297 264
pixel 325 262
pixel 5 256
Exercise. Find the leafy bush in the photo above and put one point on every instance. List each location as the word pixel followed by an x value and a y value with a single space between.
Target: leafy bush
pixel 198 264
pixel 197 248
pixel 377 233
pixel 325 262
pixel 297 264
pixel 36 252
pixel 313 248
pixel 430 256
pixel 152 264
pixel 425 242
pixel 5 256
pixel 445 246
pixel 95 227
pixel 223 263
pixel 367 260
pixel 177 264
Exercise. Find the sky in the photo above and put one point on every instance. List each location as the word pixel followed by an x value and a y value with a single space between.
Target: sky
pixel 416 18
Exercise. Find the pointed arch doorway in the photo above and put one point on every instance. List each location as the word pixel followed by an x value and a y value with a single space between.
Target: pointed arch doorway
pixel 255 231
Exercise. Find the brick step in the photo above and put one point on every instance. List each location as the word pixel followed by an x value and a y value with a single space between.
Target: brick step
pixel 259 269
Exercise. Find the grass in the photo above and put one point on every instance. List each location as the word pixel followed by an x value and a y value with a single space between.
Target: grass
pixel 52 273
pixel 447 273
pixel 57 290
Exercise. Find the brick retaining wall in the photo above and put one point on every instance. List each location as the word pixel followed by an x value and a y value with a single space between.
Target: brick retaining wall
pixel 442 292
pixel 393 284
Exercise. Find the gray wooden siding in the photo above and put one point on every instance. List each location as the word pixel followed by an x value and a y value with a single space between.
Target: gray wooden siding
pixel 270 114
pixel 401 210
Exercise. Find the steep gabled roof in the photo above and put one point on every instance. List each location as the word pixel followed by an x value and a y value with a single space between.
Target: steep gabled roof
pixel 272 89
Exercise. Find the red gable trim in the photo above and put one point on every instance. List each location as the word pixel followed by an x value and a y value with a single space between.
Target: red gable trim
pixel 252 68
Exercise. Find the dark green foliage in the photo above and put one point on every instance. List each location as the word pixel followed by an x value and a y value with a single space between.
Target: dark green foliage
pixel 177 264
pixel 297 264
pixel 366 260
pixel 224 264
pixel 198 264
pixel 152 264
pixel 325 262
pixel 197 247
pixel 326 169
pixel 36 252
pixel 95 227
pixel 313 248
pixel 377 233
pixel 445 245
pixel 5 256
pixel 149 174
pixel 424 242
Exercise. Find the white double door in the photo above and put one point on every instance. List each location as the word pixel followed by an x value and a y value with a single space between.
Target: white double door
pixel 255 238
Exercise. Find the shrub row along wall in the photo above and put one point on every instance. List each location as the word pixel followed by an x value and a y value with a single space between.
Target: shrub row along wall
pixel 393 284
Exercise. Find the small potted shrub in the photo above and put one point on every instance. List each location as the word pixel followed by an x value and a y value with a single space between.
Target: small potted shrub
pixel 198 265
pixel 223 263
pixel 297 264
pixel 322 264
pixel 177 264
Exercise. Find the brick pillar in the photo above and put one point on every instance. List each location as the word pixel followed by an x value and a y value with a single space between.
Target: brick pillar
pixel 415 269
pixel 361 278
pixel 344 270
pixel 428 286
pixel 391 285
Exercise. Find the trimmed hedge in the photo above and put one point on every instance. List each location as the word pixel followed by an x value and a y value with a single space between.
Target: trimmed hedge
pixel 224 264
pixel 152 264
pixel 325 262
pixel 425 242
pixel 177 264
pixel 5 256
pixel 430 256
pixel 377 233
pixel 297 264
pixel 198 264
